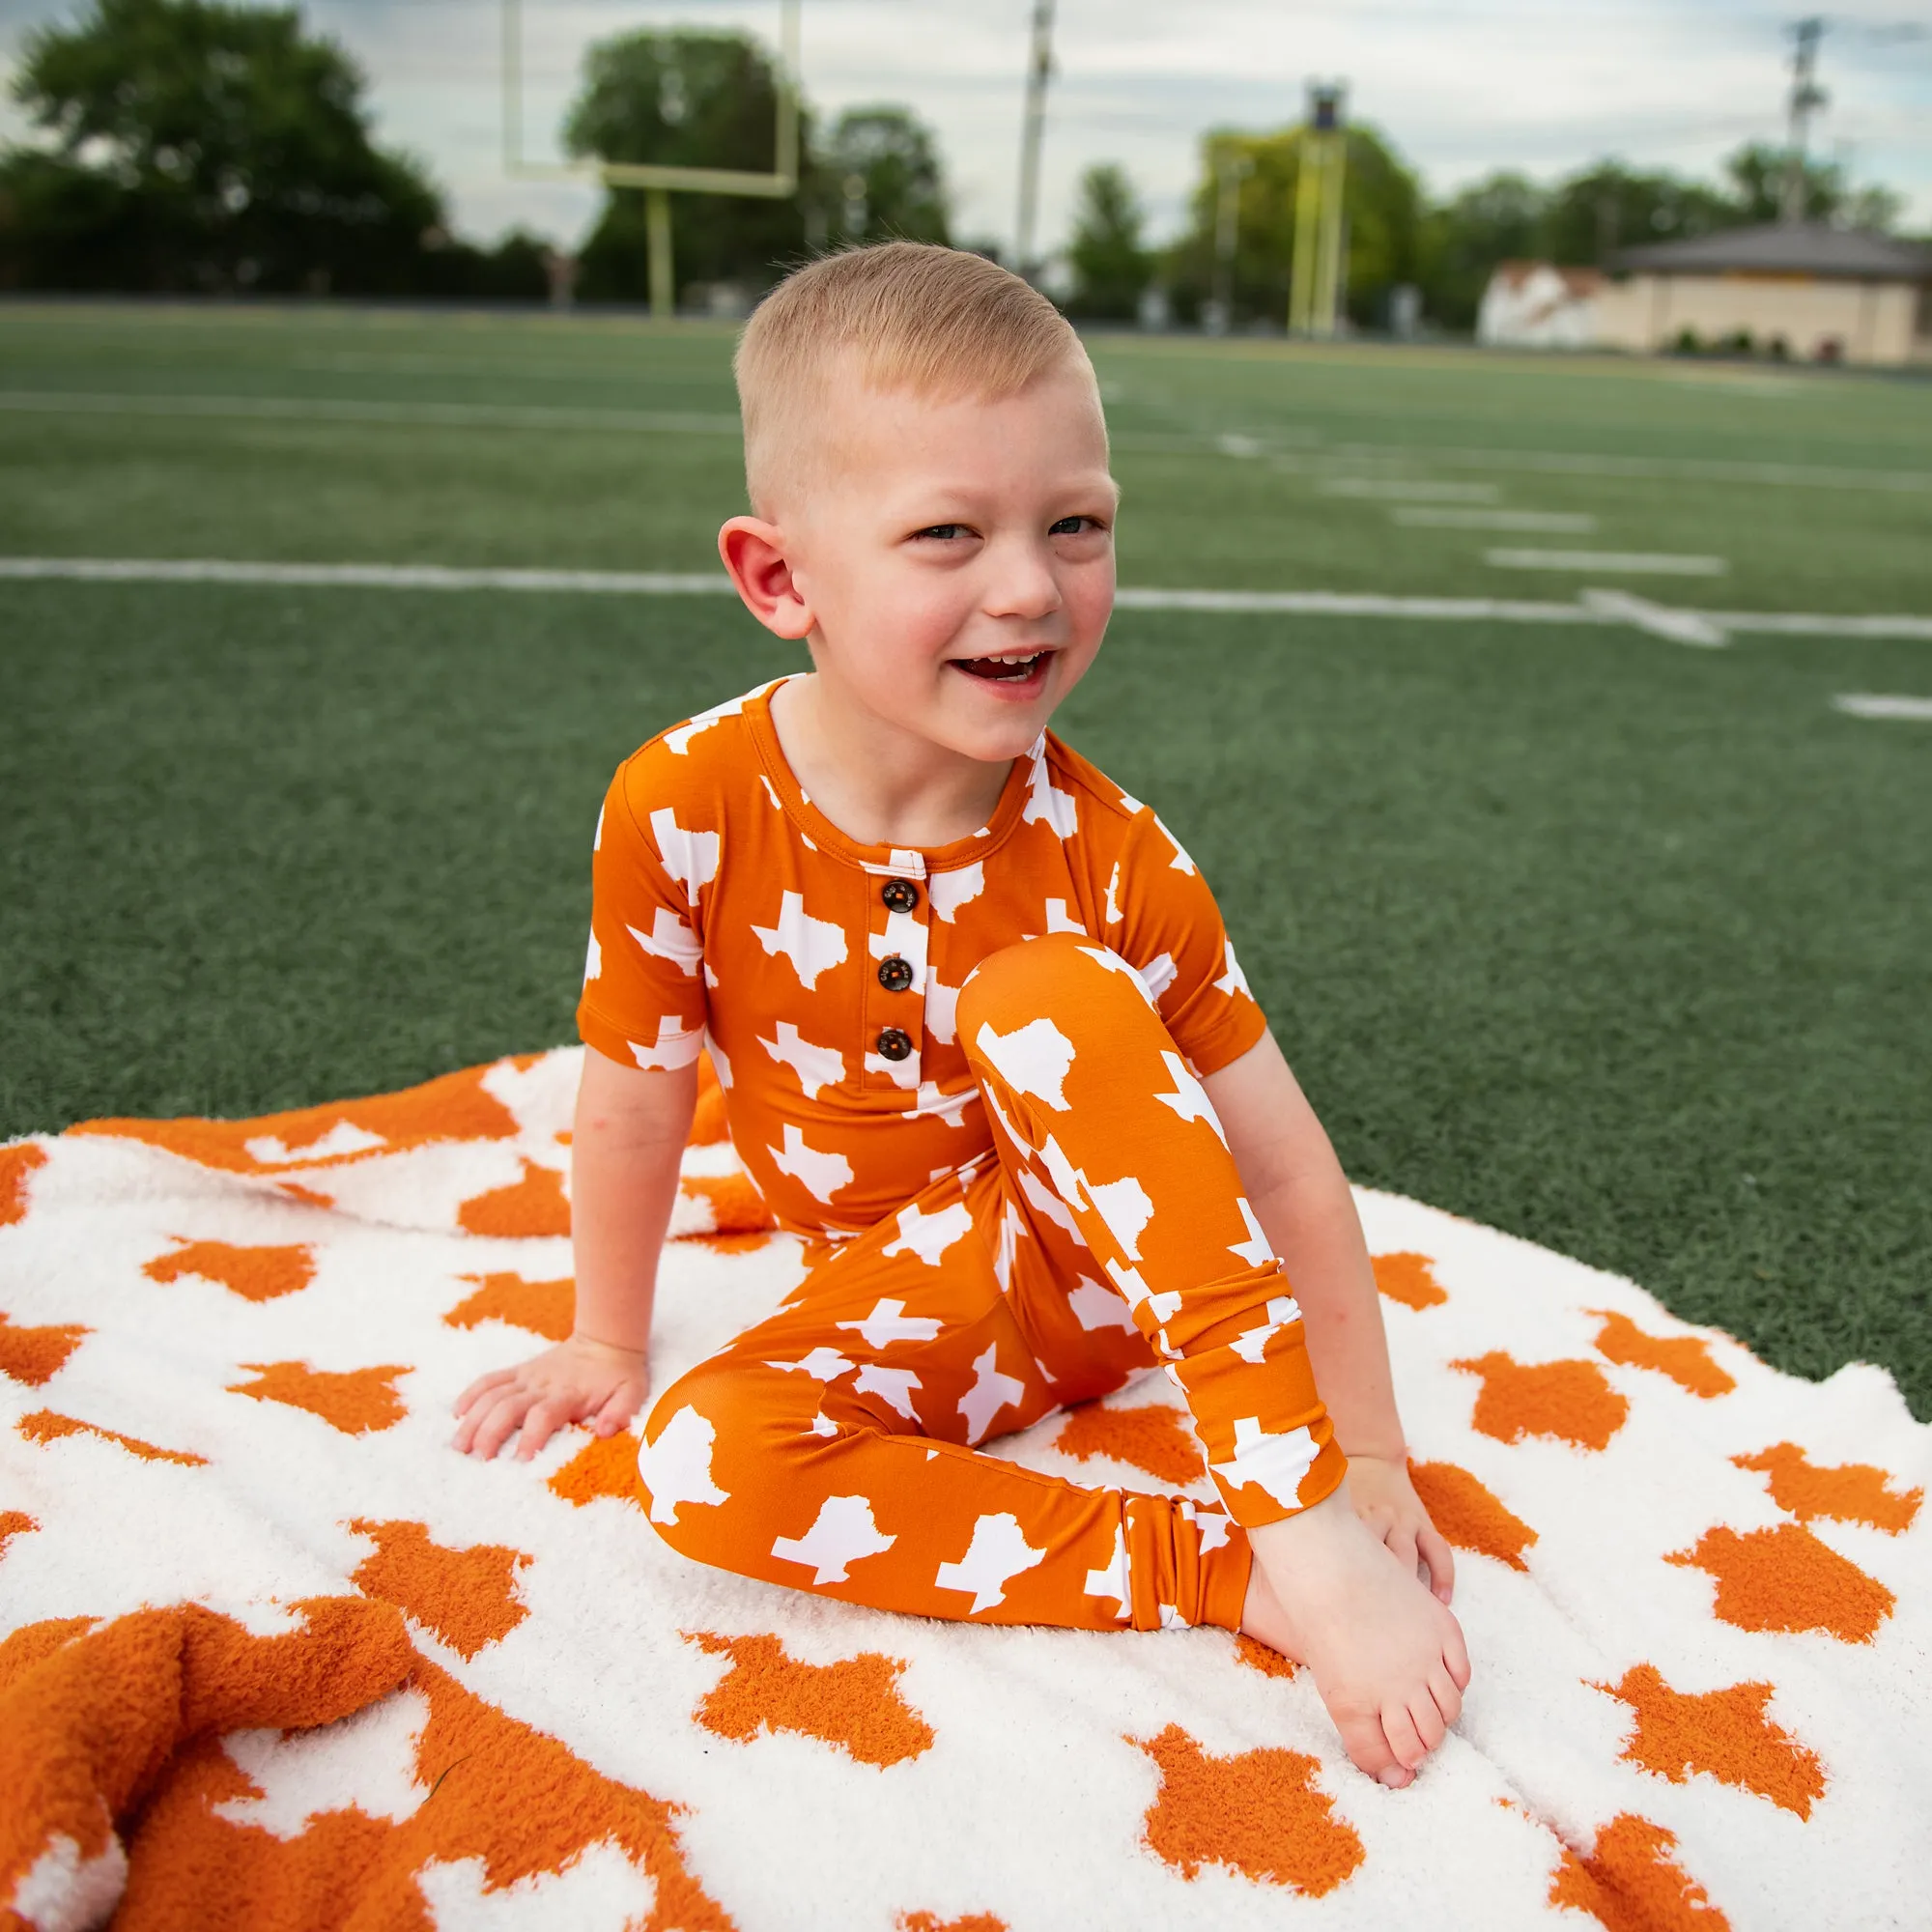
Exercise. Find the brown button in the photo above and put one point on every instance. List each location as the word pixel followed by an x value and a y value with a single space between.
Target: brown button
pixel 893 1044
pixel 895 973
pixel 899 894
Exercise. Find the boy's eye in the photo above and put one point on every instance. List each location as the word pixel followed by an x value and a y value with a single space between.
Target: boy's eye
pixel 1072 526
pixel 944 533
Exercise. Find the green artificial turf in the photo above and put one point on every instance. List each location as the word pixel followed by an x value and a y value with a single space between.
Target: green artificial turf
pixel 1615 944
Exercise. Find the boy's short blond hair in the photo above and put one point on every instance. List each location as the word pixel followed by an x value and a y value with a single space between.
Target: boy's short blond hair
pixel 905 316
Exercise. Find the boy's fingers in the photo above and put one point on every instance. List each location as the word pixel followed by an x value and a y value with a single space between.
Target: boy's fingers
pixel 542 1423
pixel 497 1427
pixel 494 1380
pixel 619 1405
pixel 1441 1564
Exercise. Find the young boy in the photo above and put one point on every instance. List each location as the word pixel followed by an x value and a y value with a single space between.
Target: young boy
pixel 985 1048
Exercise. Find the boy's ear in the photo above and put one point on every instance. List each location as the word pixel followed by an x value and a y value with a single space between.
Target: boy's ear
pixel 754 554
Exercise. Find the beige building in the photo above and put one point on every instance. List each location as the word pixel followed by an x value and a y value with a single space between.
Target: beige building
pixel 1825 293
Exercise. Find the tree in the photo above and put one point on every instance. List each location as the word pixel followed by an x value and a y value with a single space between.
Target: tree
pixel 690 101
pixel 1607 207
pixel 1383 207
pixel 1112 270
pixel 1497 219
pixel 203 146
pixel 893 161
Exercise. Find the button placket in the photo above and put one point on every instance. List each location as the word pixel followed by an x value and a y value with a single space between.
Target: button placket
pixel 894 1016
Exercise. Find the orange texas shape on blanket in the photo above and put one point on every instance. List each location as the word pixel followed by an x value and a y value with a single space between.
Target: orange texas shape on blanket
pixel 1785 1579
pixel 1685 1358
pixel 454 1107
pixel 1154 1436
pixel 1409 1279
pixel 854 1704
pixel 467 1598
pixel 1258 1813
pixel 1854 1493
pixel 46 1424
pixel 16 1164
pixel 546 1308
pixel 1723 1733
pixel 1468 1515
pixel 36 1356
pixel 490 1788
pixel 356 1401
pixel 255 1274
pixel 1630 1883
pixel 1569 1401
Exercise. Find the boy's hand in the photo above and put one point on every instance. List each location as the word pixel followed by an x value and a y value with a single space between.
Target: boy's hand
pixel 579 1380
pixel 1387 1657
pixel 1385 1500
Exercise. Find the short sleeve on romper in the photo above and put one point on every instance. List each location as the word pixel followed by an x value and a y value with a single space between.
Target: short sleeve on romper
pixel 1172 934
pixel 644 1002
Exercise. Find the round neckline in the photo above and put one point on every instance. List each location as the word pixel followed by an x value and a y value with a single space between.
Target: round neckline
pixel 828 837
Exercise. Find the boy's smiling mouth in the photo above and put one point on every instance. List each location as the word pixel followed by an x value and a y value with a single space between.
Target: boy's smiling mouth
pixel 1009 668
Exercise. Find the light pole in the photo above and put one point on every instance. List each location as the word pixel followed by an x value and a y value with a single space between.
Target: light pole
pixel 1039 70
pixel 1315 283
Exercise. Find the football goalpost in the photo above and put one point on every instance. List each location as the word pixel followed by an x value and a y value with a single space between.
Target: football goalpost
pixel 660 184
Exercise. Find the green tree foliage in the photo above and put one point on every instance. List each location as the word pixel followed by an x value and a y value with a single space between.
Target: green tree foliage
pixel 1112 268
pixel 688 101
pixel 1585 219
pixel 709 101
pixel 1381 202
pixel 200 146
pixel 893 161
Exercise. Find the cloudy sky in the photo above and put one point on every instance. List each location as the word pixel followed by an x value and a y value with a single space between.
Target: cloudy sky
pixel 1460 86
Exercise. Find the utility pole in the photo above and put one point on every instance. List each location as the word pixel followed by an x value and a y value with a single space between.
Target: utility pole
pixel 1039 70
pixel 1315 285
pixel 1806 97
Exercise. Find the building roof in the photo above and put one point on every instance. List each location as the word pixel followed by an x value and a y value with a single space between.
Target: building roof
pixel 1791 248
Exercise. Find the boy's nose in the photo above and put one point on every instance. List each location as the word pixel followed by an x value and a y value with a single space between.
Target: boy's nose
pixel 1023 584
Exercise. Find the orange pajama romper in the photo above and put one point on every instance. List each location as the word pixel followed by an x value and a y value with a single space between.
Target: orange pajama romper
pixel 969 1078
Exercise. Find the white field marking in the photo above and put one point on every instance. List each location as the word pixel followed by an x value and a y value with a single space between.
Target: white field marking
pixel 366 576
pixel 652 584
pixel 1412 489
pixel 366 410
pixel 1553 522
pixel 1876 704
pixel 1615 562
pixel 1680 627
pixel 1648 469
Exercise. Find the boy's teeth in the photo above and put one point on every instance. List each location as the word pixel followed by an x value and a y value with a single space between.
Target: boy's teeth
pixel 1000 666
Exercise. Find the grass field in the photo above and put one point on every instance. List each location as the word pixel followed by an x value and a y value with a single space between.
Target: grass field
pixel 1618 944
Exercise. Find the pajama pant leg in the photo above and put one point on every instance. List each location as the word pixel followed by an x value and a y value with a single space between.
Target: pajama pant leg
pixel 833 1446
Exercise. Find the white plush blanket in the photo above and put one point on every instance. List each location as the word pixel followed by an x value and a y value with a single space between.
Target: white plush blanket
pixel 274 1656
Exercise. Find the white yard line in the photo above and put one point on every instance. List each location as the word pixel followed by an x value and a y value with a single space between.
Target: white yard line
pixel 1412 489
pixel 1601 608
pixel 1610 562
pixel 1875 704
pixel 1551 523
pixel 345 409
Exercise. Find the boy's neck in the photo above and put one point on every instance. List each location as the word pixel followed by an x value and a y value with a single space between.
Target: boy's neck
pixel 877 782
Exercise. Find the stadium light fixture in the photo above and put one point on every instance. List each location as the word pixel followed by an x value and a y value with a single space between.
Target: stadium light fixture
pixel 660 183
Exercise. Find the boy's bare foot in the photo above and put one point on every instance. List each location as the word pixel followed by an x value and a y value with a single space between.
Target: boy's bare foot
pixel 1387 1655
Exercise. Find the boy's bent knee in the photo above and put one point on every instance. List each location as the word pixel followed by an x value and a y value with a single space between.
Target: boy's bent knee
pixel 1063 973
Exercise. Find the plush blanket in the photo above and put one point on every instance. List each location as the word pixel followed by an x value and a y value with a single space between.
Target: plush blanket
pixel 276 1656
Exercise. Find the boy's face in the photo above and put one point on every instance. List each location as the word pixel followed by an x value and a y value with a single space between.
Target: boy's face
pixel 957 558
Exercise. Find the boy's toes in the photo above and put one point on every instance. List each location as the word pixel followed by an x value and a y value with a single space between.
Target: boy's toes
pixel 1427 1718
pixel 1448 1699
pixel 1368 1748
pixel 1404 1741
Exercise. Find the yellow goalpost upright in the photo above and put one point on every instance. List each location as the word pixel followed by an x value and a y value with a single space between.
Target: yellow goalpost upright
pixel 660 184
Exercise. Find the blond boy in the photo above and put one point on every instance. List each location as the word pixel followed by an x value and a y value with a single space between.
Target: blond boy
pixel 986 1049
